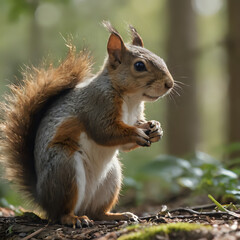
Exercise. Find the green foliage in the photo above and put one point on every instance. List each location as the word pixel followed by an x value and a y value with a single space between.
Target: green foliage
pixel 223 208
pixel 200 173
pixel 219 181
pixel 18 7
pixel 8 197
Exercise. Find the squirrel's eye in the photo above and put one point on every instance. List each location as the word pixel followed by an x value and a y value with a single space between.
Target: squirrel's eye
pixel 140 66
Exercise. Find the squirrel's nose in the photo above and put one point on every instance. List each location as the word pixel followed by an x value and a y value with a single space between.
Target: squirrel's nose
pixel 169 84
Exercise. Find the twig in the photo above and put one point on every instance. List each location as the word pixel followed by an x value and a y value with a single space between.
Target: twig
pixel 205 206
pixel 148 217
pixel 231 213
pixel 192 212
pixel 200 213
pixel 106 223
pixel 182 216
pixel 35 233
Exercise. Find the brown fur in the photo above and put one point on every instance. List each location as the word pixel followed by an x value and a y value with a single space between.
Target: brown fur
pixel 71 198
pixel 67 135
pixel 122 131
pixel 112 201
pixel 136 39
pixel 116 133
pixel 69 219
pixel 24 109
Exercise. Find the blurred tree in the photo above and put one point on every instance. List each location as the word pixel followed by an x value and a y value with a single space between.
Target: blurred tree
pixel 182 119
pixel 19 7
pixel 233 66
pixel 35 35
pixel 29 8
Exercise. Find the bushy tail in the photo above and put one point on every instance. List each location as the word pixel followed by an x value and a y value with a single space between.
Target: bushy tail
pixel 23 110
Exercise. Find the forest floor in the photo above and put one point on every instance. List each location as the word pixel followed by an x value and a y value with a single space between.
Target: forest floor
pixel 202 222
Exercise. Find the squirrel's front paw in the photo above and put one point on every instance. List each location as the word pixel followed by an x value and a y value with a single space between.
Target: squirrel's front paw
pixel 142 139
pixel 153 130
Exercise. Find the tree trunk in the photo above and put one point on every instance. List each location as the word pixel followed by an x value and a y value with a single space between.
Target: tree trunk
pixel 182 116
pixel 35 44
pixel 233 66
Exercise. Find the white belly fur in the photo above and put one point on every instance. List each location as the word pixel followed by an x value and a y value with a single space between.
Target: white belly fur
pixel 93 162
pixel 132 108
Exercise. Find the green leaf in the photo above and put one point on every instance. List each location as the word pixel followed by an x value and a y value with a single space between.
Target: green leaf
pixel 130 182
pixel 220 207
pixel 233 192
pixel 201 158
pixel 228 173
pixel 188 182
pixel 167 167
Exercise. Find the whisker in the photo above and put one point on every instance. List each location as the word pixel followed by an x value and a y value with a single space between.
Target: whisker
pixel 175 91
pixel 178 86
pixel 172 98
pixel 178 82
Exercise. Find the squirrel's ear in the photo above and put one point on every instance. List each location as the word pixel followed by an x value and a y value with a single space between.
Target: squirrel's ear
pixel 115 48
pixel 136 39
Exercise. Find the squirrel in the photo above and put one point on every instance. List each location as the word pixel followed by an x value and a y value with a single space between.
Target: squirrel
pixel 63 128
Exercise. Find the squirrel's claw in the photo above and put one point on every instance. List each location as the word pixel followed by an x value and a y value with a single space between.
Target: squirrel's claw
pixel 156 135
pixel 76 222
pixel 154 131
pixel 132 217
pixel 86 222
pixel 142 138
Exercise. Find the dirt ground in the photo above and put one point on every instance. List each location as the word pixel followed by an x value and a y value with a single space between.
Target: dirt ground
pixel 222 226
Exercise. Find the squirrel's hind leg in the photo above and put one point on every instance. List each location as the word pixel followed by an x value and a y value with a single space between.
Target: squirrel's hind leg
pixel 58 189
pixel 107 196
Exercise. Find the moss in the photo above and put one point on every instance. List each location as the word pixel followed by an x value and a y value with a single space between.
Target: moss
pixel 148 233
pixel 133 227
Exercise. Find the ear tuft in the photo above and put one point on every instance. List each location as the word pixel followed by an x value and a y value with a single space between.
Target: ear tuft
pixel 109 27
pixel 115 45
pixel 136 39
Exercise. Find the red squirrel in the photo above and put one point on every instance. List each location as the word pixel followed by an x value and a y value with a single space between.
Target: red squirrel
pixel 63 128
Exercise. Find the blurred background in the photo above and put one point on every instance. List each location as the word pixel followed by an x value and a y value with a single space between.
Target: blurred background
pixel 200 42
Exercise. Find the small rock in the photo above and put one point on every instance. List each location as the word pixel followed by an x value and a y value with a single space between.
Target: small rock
pixel 22 234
